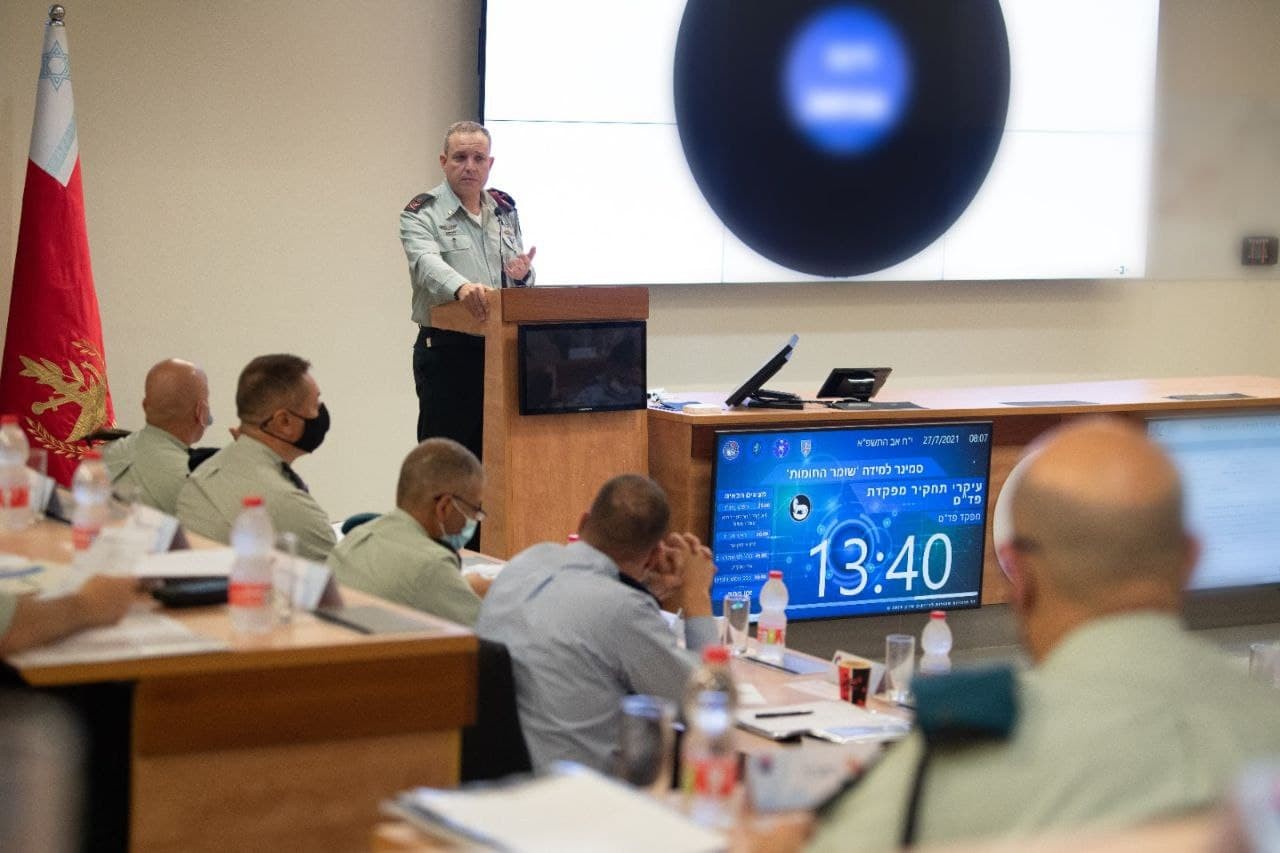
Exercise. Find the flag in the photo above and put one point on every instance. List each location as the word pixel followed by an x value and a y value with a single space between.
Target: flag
pixel 54 373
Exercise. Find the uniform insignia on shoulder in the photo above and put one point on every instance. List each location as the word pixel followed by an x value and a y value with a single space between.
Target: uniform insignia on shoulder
pixel 505 202
pixel 418 201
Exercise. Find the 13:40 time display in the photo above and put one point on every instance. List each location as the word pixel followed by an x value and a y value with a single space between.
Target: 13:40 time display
pixel 903 567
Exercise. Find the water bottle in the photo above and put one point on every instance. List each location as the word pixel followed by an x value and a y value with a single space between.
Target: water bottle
pixel 771 630
pixel 15 488
pixel 935 641
pixel 709 764
pixel 250 586
pixel 91 488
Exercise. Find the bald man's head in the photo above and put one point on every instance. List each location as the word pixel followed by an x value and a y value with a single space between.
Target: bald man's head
pixel 176 399
pixel 1099 512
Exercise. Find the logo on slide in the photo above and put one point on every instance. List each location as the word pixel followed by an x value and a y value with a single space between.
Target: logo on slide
pixel 800 507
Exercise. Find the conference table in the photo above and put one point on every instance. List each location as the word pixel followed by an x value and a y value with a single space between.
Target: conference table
pixel 681 444
pixel 287 740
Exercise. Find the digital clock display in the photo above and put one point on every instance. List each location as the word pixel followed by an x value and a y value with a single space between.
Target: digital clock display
pixel 860 520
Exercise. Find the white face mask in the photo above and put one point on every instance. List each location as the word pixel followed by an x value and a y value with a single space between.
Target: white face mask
pixel 458 540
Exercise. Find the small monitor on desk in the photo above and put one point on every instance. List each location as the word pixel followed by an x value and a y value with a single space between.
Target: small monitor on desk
pixel 753 393
pixel 1230 468
pixel 860 520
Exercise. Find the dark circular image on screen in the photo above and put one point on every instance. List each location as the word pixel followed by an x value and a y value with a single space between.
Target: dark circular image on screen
pixel 840 138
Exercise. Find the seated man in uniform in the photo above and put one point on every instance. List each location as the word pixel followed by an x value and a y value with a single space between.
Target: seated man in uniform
pixel 281 419
pixel 583 626
pixel 410 555
pixel 27 621
pixel 1125 717
pixel 152 463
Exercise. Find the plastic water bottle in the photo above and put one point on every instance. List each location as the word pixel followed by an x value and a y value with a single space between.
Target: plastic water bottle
pixel 250 586
pixel 15 488
pixel 935 642
pixel 709 764
pixel 91 488
pixel 771 630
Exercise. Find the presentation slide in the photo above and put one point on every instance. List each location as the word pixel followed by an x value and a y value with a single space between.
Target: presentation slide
pixel 859 520
pixel 756 141
pixel 1230 469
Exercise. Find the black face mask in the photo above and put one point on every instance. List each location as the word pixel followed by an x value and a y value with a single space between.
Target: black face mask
pixel 313 430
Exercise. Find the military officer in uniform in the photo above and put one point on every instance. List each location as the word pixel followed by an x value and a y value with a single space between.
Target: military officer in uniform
pixel 460 241
pixel 410 555
pixel 281 419
pixel 151 464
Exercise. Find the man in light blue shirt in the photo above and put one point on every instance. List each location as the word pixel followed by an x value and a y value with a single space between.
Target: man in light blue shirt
pixel 460 240
pixel 583 625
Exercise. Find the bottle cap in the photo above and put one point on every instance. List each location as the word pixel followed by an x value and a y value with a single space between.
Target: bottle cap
pixel 251 500
pixel 775 573
pixel 5 420
pixel 572 537
pixel 937 614
pixel 715 654
pixel 92 454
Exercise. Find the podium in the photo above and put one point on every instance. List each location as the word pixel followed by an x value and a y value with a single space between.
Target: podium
pixel 542 471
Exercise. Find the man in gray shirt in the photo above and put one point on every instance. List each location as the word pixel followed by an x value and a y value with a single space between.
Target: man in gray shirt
pixel 281 419
pixel 150 465
pixel 460 240
pixel 583 625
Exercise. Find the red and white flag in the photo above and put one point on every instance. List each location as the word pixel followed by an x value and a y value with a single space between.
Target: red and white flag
pixel 54 373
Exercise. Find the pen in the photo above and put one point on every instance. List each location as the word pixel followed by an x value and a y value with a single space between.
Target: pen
pixel 767 715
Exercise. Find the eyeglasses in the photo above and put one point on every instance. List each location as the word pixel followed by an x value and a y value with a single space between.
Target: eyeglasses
pixel 470 510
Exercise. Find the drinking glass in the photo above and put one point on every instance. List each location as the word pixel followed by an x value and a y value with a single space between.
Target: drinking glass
pixel 38 461
pixel 899 666
pixel 284 576
pixel 1264 663
pixel 646 742
pixel 737 617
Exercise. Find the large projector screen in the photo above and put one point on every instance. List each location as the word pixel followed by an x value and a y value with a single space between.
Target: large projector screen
pixel 659 141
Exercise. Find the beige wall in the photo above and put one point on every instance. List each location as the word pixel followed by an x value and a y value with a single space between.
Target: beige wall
pixel 244 164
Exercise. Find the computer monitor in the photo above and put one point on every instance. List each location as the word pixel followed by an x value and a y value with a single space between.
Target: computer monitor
pixel 1230 468
pixel 860 520
pixel 582 367
pixel 753 386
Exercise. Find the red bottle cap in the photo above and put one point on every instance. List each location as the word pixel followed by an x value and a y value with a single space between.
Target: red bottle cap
pixel 91 454
pixel 251 501
pixel 937 614
pixel 715 654
pixel 5 420
pixel 775 573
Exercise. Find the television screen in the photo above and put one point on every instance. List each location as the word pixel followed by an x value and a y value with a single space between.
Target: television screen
pixel 860 520
pixel 926 140
pixel 1230 467
pixel 582 367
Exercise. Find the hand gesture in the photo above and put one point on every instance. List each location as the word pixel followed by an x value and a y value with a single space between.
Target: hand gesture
pixel 476 299
pixel 518 267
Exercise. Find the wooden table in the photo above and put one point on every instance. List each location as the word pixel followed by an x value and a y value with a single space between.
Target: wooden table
pixel 286 741
pixel 681 445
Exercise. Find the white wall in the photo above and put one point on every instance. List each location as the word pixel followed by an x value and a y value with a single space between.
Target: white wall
pixel 245 163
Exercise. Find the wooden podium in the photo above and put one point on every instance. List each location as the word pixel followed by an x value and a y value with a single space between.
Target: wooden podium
pixel 543 470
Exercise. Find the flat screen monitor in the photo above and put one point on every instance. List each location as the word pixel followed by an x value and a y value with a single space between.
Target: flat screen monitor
pixel 1230 468
pixel 582 367
pixel 860 520
pixel 771 367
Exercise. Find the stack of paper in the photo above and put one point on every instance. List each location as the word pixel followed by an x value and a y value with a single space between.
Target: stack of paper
pixel 573 810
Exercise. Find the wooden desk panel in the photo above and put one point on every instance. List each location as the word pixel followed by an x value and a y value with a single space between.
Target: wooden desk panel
pixel 681 445
pixel 289 740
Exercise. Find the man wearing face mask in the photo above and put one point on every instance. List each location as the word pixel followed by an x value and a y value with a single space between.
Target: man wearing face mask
pixel 410 555
pixel 281 419
pixel 151 464
pixel 583 626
